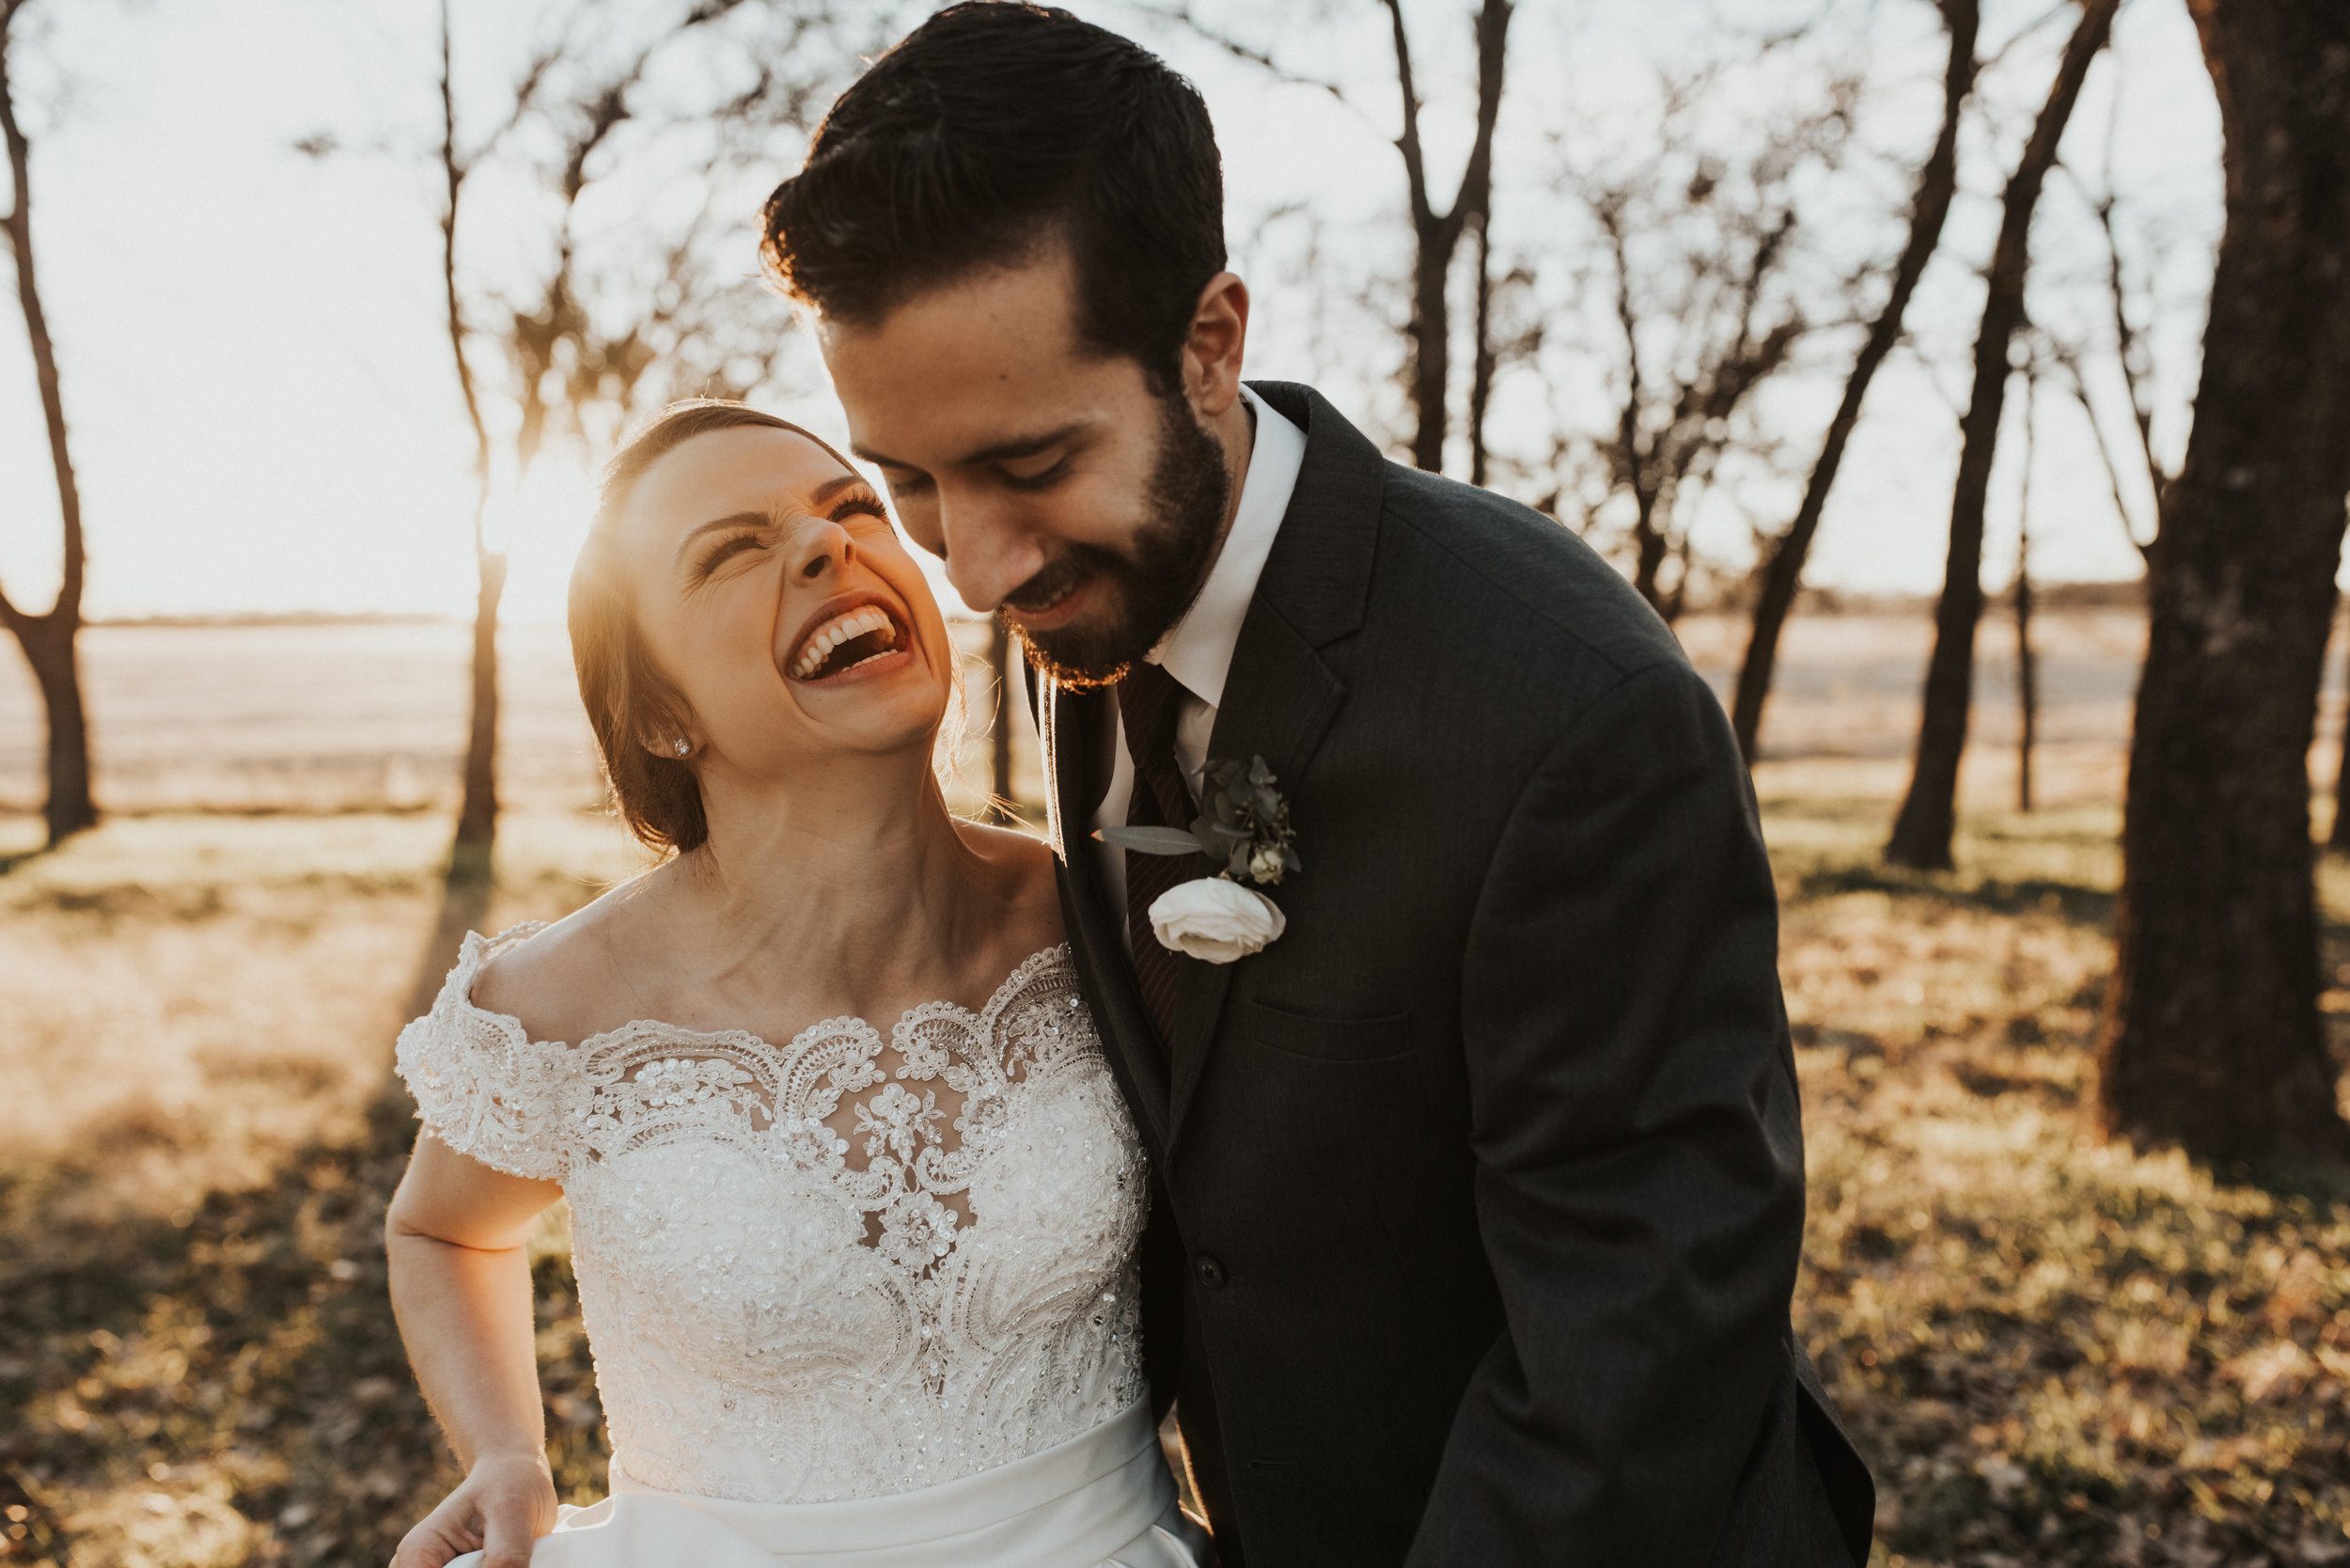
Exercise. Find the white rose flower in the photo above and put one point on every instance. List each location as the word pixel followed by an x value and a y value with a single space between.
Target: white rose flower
pixel 1215 920
pixel 1265 863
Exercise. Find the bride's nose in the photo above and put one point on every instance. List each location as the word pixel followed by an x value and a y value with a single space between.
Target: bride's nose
pixel 819 549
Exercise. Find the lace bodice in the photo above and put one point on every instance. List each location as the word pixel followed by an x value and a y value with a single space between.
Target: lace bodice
pixel 835 1268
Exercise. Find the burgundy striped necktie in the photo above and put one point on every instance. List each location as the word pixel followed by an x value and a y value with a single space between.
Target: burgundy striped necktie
pixel 1150 701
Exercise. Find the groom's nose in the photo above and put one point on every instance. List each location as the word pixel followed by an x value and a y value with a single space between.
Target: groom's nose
pixel 989 550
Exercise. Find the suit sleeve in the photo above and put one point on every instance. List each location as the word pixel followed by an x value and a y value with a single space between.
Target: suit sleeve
pixel 1640 1164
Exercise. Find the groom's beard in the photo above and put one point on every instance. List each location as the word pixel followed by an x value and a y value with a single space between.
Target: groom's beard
pixel 1151 583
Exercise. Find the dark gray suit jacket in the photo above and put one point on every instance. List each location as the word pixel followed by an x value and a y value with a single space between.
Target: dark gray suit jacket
pixel 1480 1192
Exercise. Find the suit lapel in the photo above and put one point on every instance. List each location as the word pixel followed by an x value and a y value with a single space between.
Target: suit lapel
pixel 1073 726
pixel 1281 695
pixel 1276 704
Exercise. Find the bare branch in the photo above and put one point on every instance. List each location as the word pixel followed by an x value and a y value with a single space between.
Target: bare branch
pixel 1182 16
pixel 1407 140
pixel 2068 360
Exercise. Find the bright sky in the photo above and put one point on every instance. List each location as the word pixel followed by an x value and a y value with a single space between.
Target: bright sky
pixel 264 416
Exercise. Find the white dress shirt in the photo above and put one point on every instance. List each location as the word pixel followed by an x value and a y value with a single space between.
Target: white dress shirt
pixel 1198 651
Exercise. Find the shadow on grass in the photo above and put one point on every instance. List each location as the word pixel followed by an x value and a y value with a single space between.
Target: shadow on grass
pixel 22 858
pixel 2071 901
pixel 226 1385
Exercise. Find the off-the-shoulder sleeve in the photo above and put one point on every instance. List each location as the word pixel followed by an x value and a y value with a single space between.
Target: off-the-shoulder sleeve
pixel 482 1086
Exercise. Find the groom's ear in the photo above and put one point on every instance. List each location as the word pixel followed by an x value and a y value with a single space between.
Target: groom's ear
pixel 1212 347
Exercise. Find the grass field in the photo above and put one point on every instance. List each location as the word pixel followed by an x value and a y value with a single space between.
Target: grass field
pixel 2052 1351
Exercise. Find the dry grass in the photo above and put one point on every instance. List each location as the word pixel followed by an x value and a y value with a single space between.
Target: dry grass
pixel 2053 1352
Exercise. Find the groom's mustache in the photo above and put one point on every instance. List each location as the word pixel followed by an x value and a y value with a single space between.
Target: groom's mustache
pixel 1064 572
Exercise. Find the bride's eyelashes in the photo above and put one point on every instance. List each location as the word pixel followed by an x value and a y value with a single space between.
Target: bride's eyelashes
pixel 860 502
pixel 723 550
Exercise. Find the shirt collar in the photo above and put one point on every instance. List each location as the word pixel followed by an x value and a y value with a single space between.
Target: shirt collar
pixel 1198 651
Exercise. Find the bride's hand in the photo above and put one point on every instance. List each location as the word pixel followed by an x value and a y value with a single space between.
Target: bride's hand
pixel 506 1502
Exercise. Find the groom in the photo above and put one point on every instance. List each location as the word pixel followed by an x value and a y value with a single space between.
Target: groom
pixel 1480 1189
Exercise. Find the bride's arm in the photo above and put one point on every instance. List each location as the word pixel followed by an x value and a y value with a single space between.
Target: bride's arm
pixel 461 1289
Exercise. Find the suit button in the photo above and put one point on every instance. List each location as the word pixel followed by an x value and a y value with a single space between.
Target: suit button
pixel 1208 1271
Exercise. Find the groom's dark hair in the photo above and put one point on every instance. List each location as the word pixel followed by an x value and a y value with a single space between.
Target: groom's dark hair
pixel 989 130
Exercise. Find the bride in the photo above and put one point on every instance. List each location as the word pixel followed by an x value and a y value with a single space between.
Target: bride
pixel 854 1196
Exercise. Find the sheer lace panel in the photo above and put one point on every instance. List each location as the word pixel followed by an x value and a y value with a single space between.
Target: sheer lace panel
pixel 836 1267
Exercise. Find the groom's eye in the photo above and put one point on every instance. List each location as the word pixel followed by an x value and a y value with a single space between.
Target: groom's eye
pixel 1037 478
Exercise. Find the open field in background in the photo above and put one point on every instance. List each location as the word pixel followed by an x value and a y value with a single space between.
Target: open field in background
pixel 2052 1352
pixel 371 718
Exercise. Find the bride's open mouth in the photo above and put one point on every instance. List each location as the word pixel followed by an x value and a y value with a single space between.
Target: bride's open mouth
pixel 855 634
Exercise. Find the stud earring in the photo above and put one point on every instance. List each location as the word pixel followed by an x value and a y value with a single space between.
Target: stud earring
pixel 683 746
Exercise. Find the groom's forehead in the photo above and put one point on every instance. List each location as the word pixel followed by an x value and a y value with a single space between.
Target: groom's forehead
pixel 991 321
pixel 970 368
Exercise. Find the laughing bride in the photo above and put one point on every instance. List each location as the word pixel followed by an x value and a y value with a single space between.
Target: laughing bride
pixel 859 1291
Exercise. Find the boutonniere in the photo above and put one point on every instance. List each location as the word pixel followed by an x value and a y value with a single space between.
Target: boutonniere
pixel 1243 823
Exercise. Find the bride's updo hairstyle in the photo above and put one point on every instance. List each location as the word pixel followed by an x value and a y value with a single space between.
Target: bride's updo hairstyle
pixel 632 707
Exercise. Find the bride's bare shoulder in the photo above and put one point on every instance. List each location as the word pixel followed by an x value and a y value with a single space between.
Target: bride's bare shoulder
pixel 565 982
pixel 1022 865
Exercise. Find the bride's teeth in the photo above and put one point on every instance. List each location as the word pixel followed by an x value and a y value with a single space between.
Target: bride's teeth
pixel 847 628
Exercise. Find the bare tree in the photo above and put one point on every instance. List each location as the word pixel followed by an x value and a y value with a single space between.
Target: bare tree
pixel 2212 1037
pixel 1703 265
pixel 477 817
pixel 48 639
pixel 1436 235
pixel 574 368
pixel 1921 832
pixel 2026 660
pixel 1780 572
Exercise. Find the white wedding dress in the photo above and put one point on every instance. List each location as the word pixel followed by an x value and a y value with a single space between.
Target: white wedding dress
pixel 853 1300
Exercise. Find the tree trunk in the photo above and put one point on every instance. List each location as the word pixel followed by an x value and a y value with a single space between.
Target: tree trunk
pixel 2026 684
pixel 1487 360
pixel 476 819
pixel 1436 235
pixel 2213 1039
pixel 469 857
pixel 2337 837
pixel 999 667
pixel 1781 573
pixel 48 640
pixel 1431 367
pixel 50 647
pixel 2027 661
pixel 1649 546
pixel 1921 833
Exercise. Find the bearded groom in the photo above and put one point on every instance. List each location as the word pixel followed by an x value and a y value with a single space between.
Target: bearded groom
pixel 1479 1188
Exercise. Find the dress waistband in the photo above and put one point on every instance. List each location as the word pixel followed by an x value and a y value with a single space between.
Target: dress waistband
pixel 1069 1506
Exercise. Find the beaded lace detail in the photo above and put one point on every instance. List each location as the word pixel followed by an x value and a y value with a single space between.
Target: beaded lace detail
pixel 842 1267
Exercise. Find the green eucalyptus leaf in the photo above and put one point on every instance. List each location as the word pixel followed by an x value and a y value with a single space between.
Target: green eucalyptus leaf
pixel 1149 840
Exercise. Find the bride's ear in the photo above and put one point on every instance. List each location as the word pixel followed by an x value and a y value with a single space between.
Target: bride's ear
pixel 665 733
pixel 1212 347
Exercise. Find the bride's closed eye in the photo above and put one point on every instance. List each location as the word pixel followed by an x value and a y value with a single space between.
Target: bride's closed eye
pixel 724 550
pixel 726 547
pixel 862 502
